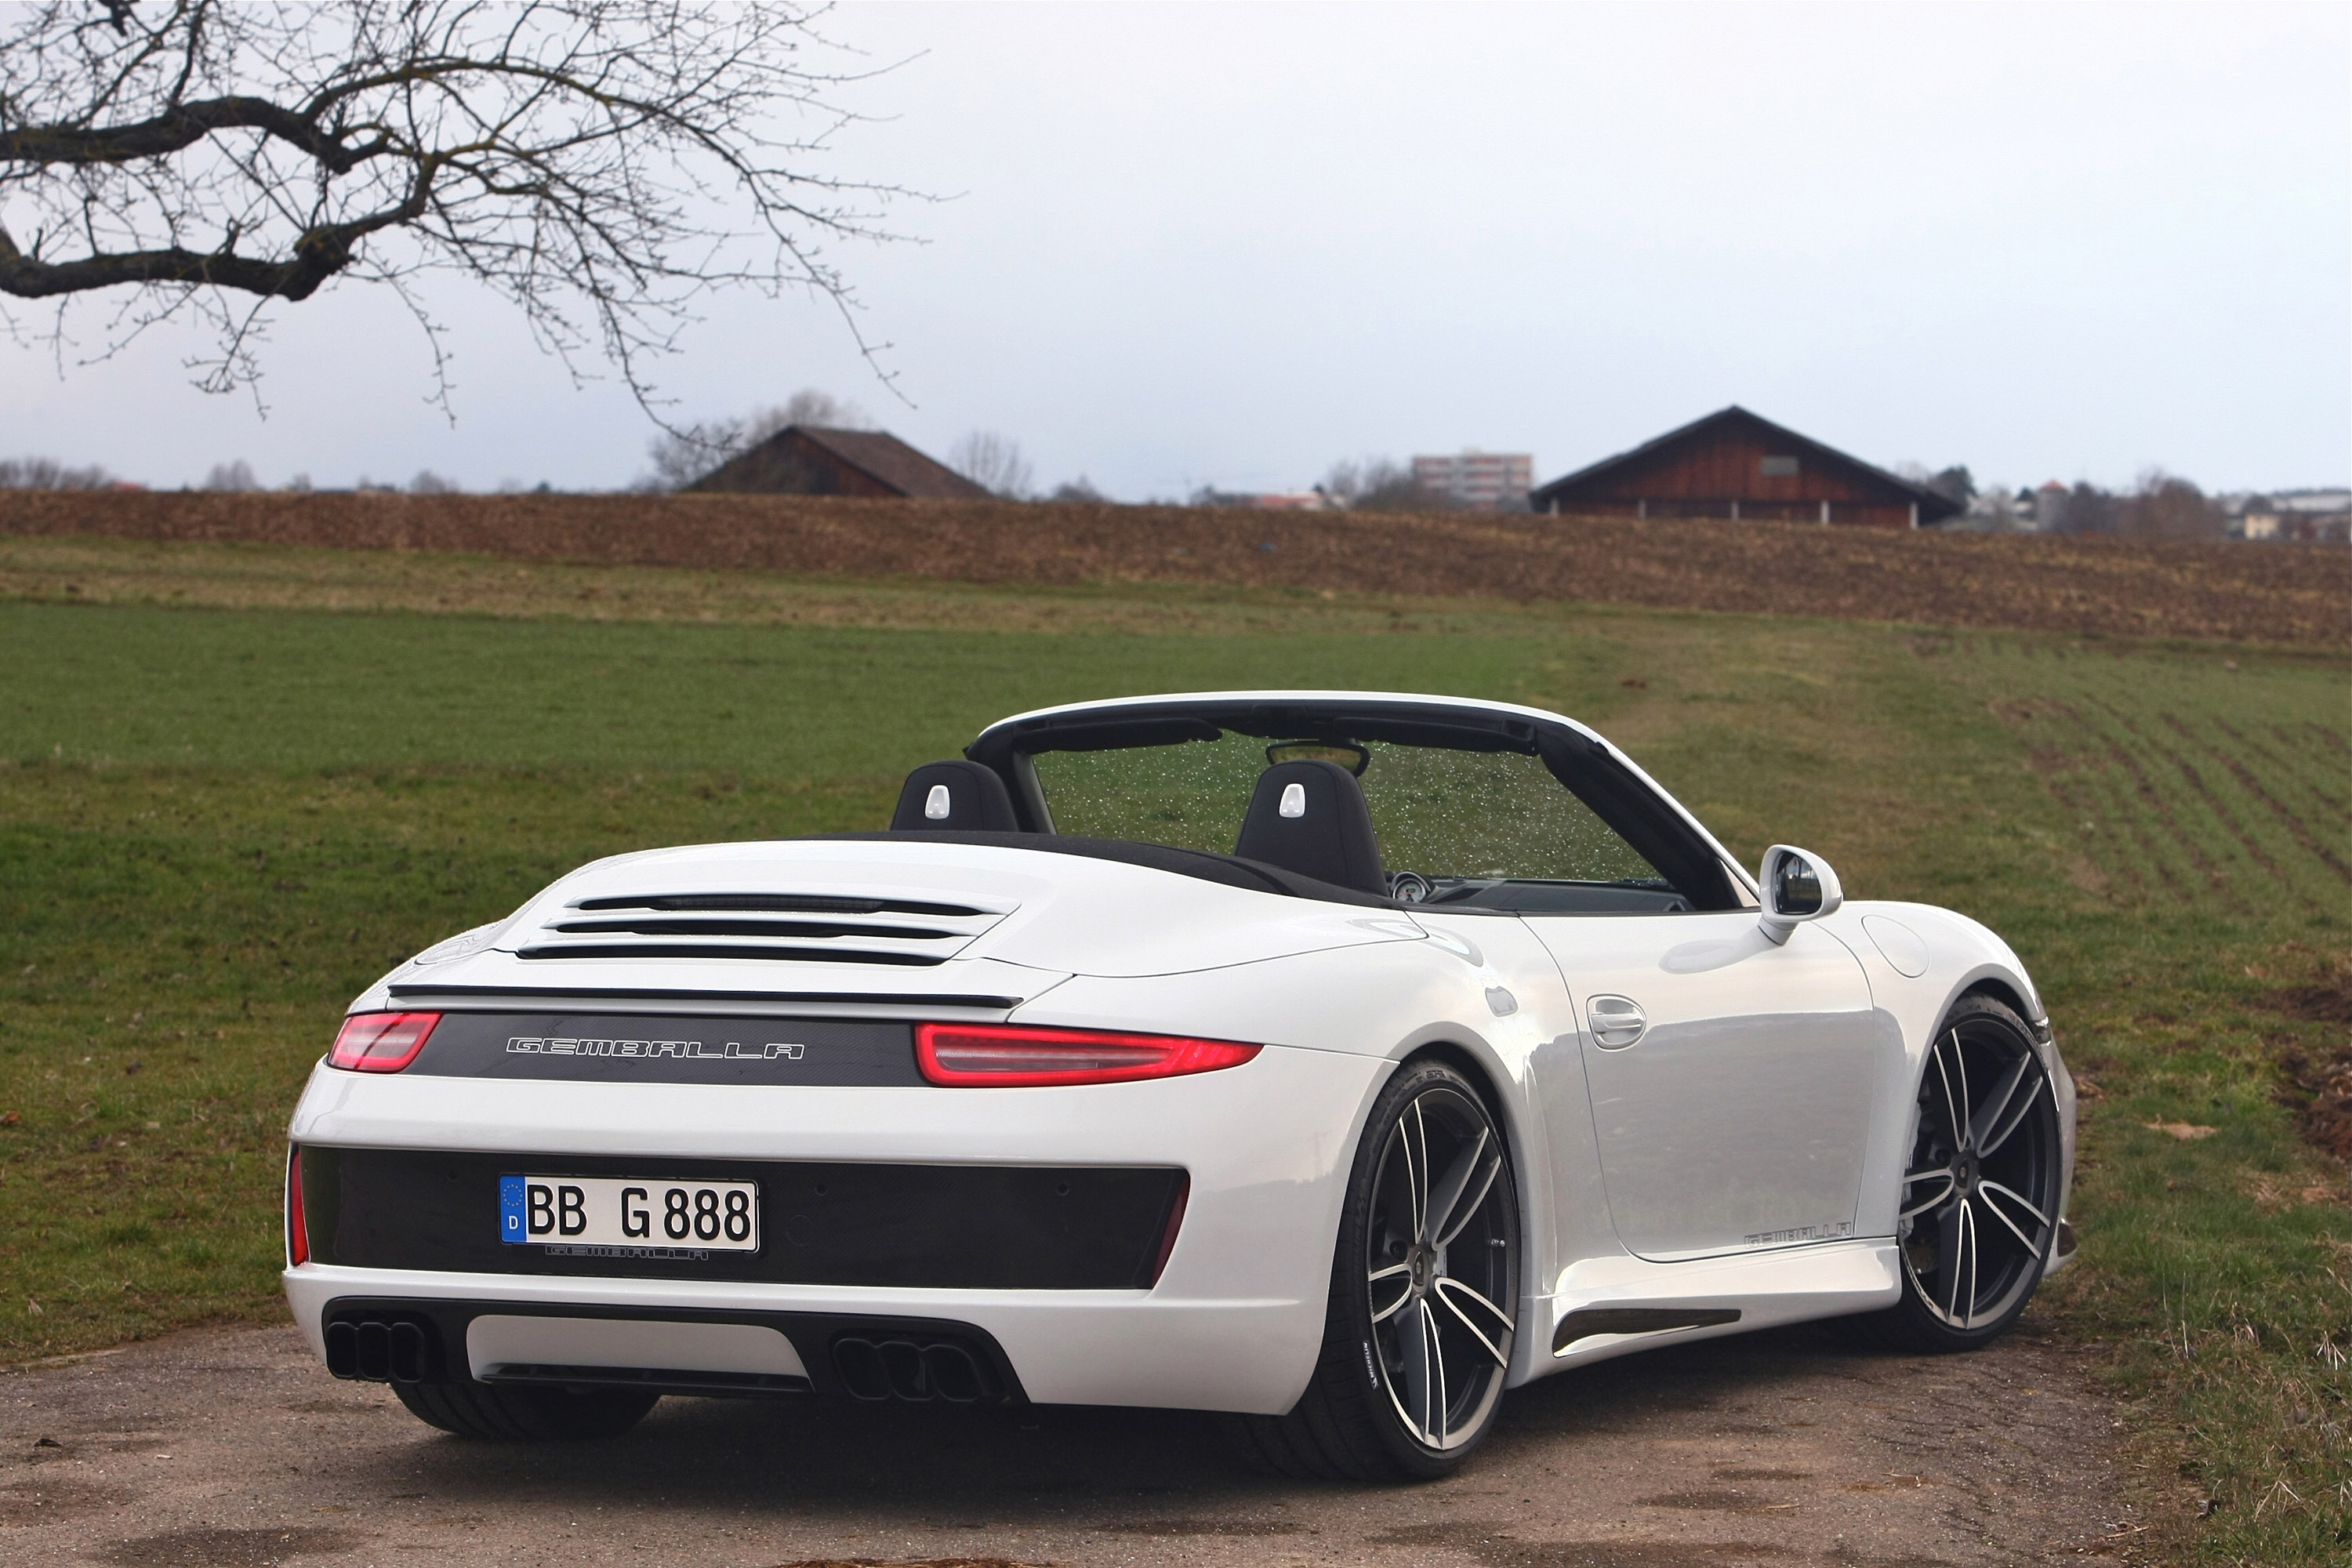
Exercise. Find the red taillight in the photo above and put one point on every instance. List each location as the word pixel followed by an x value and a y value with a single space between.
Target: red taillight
pixel 380 1042
pixel 998 1056
pixel 298 1229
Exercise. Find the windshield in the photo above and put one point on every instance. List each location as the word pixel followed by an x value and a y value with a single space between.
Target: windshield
pixel 1454 816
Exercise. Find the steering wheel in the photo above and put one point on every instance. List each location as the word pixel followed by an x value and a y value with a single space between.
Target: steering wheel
pixel 1409 887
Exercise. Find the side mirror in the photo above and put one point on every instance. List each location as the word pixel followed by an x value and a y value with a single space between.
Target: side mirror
pixel 1797 886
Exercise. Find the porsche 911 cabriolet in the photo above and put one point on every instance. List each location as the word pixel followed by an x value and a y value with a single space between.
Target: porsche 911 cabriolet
pixel 1337 1060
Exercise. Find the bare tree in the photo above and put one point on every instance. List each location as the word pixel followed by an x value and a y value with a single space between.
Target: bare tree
pixel 994 463
pixel 1380 484
pixel 2085 508
pixel 818 410
pixel 235 476
pixel 48 474
pixel 1081 488
pixel 2166 506
pixel 429 483
pixel 601 164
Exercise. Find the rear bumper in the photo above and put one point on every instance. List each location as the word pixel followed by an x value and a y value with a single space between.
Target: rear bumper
pixel 1232 1322
pixel 1058 1347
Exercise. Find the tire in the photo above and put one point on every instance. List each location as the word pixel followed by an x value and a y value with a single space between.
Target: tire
pixel 518 1414
pixel 1425 1296
pixel 1979 1215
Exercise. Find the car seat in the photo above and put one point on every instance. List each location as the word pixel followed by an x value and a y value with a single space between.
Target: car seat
pixel 955 797
pixel 1309 816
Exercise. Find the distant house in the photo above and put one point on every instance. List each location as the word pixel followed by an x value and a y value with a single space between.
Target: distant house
pixel 1476 481
pixel 804 460
pixel 1734 464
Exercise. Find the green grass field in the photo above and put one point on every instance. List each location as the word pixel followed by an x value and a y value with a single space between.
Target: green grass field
pixel 217 824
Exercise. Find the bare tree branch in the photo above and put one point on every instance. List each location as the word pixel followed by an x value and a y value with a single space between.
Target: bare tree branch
pixel 601 164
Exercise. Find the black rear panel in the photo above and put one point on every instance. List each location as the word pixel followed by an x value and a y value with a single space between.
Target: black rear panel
pixel 634 1048
pixel 1050 1228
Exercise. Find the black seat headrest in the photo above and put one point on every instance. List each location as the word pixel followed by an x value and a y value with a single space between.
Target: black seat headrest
pixel 1309 816
pixel 954 797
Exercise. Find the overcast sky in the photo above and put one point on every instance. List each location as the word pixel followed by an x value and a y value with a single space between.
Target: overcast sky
pixel 1229 245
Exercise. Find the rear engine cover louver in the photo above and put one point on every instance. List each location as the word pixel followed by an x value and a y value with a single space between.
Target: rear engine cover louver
pixel 790 928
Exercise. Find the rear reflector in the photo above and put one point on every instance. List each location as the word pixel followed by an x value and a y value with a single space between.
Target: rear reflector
pixel 1175 1223
pixel 298 1229
pixel 380 1042
pixel 999 1055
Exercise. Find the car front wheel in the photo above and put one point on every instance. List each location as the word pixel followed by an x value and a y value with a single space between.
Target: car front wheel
pixel 1980 1191
pixel 1424 1295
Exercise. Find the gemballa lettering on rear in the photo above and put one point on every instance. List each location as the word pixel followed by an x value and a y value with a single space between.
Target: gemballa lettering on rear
pixel 682 1050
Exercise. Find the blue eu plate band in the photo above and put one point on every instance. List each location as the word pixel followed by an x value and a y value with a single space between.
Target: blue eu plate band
pixel 514 1226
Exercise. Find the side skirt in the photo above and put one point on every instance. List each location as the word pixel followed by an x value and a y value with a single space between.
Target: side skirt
pixel 1608 1307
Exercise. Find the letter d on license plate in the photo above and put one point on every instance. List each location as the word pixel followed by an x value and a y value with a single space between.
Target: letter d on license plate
pixel 628 1211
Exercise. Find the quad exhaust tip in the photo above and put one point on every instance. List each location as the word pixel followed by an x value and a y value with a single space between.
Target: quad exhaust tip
pixel 915 1371
pixel 373 1349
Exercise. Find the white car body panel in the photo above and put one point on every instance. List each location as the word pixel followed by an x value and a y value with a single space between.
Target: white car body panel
pixel 1640 1185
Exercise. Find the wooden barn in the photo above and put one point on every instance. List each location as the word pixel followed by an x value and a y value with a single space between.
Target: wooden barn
pixel 1734 464
pixel 804 460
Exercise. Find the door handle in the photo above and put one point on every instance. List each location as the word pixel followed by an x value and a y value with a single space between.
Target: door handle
pixel 1617 1021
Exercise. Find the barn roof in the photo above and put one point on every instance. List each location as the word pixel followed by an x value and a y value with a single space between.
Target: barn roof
pixel 1933 504
pixel 878 454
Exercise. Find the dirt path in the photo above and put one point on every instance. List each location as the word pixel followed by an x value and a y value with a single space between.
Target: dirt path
pixel 230 1448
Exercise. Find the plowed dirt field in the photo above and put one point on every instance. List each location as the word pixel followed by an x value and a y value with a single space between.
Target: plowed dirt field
pixel 2171 588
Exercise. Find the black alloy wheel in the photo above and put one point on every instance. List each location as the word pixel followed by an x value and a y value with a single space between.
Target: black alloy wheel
pixel 1978 1218
pixel 1424 1295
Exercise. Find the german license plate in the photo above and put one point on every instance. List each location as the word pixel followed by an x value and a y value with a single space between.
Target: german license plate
pixel 628 1211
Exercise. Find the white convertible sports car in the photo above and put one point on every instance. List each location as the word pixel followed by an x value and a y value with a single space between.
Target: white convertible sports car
pixel 1337 1059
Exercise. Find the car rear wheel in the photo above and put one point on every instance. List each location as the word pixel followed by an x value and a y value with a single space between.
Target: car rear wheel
pixel 1425 1296
pixel 1979 1211
pixel 513 1415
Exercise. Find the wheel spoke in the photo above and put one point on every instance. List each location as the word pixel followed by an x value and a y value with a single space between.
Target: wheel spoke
pixel 1446 1292
pixel 1986 1191
pixel 1457 1197
pixel 2016 1116
pixel 1936 1202
pixel 1969 1213
pixel 1447 1189
pixel 1381 1314
pixel 2020 1199
pixel 1996 1104
pixel 1961 1063
pixel 1412 1342
pixel 1417 1171
pixel 1950 1240
pixel 1437 1367
pixel 1951 1111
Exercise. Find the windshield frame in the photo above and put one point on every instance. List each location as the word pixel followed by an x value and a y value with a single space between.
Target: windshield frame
pixel 1633 806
